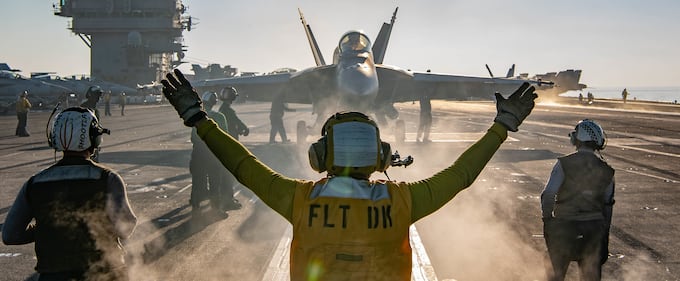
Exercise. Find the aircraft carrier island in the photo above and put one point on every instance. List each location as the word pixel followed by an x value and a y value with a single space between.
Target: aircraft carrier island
pixel 491 231
pixel 131 42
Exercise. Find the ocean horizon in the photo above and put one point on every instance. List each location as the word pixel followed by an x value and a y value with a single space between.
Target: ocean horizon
pixel 659 94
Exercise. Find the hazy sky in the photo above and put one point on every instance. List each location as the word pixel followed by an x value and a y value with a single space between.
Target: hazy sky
pixel 614 42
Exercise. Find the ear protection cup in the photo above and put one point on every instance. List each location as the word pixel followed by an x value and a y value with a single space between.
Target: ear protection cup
pixel 317 155
pixel 572 137
pixel 96 133
pixel 385 157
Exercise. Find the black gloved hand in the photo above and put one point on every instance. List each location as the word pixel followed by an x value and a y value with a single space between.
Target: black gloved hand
pixel 183 98
pixel 512 111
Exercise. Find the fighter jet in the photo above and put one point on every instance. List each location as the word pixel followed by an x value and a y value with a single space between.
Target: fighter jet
pixel 52 78
pixel 566 80
pixel 80 85
pixel 83 82
pixel 40 93
pixel 563 81
pixel 358 80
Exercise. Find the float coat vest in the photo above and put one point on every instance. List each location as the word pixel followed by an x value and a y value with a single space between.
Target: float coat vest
pixel 73 231
pixel 340 238
pixel 581 196
pixel 23 105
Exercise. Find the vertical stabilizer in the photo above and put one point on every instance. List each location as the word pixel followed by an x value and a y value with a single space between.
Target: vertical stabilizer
pixel 489 70
pixel 569 80
pixel 511 72
pixel 380 44
pixel 318 57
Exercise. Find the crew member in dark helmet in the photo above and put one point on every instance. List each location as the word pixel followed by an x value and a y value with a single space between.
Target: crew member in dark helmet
pixel 236 126
pixel 23 106
pixel 577 205
pixel 92 98
pixel 209 179
pixel 80 208
pixel 345 225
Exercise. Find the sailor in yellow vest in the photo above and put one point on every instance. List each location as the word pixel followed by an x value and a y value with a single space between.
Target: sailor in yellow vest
pixel 346 226
pixel 23 106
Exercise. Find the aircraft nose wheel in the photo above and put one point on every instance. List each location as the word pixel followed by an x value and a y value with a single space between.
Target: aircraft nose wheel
pixel 302 132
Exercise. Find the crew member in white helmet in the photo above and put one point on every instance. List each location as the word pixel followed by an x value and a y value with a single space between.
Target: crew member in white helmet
pixel 345 225
pixel 80 208
pixel 577 205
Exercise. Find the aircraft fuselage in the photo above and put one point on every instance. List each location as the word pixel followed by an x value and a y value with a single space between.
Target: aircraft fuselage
pixel 356 77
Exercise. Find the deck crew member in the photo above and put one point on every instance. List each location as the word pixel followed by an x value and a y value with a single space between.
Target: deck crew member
pixel 80 208
pixel 346 226
pixel 577 205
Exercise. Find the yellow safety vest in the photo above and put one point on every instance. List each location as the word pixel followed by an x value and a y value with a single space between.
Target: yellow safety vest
pixel 23 105
pixel 337 238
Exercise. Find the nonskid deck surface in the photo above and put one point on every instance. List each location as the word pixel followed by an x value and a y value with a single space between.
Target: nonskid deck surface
pixel 492 227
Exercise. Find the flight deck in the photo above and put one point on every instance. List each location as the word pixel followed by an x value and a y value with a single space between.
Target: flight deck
pixel 491 231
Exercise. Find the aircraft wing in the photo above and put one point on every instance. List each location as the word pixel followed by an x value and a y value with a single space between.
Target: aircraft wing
pixel 398 85
pixel 300 87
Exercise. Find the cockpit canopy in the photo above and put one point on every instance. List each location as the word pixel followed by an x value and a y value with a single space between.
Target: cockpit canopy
pixel 355 41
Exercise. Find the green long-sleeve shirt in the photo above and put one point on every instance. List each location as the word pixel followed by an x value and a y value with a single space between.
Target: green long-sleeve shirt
pixel 234 124
pixel 277 191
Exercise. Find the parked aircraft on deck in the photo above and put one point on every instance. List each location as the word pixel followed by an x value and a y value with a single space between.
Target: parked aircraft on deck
pixel 563 81
pixel 106 86
pixel 40 93
pixel 79 86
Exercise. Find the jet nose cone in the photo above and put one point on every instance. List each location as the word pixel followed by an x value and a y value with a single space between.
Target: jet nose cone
pixel 358 81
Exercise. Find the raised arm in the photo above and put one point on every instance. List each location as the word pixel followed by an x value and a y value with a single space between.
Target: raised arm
pixel 431 194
